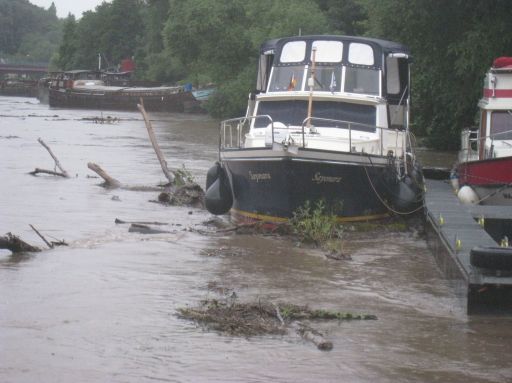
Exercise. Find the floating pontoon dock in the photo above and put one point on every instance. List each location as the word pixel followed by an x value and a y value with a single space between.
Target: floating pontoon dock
pixel 454 229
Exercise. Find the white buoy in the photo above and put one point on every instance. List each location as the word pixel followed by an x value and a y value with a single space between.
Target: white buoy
pixel 454 180
pixel 467 195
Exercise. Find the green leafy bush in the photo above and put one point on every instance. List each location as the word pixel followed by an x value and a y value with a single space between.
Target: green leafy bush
pixel 314 224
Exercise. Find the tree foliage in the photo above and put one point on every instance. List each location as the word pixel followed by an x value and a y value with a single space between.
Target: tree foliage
pixel 220 41
pixel 217 41
pixel 453 43
pixel 28 32
pixel 113 31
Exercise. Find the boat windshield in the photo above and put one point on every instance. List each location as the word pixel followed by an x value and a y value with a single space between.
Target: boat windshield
pixel 501 125
pixel 294 112
pixel 286 78
pixel 327 79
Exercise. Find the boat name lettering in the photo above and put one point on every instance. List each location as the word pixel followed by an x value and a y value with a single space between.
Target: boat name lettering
pixel 259 176
pixel 320 179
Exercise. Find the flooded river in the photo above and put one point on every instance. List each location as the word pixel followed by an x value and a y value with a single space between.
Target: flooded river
pixel 103 309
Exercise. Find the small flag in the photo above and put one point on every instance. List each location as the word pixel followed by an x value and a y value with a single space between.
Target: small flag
pixel 293 82
pixel 332 86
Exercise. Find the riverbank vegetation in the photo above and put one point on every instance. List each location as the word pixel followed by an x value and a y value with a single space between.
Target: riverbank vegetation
pixel 217 41
pixel 28 34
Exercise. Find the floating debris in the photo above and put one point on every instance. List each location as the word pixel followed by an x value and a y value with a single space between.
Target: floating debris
pixel 264 318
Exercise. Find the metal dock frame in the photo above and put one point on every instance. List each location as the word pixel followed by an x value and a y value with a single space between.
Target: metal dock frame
pixel 452 231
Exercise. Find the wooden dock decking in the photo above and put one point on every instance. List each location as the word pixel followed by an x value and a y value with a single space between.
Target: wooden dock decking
pixel 454 231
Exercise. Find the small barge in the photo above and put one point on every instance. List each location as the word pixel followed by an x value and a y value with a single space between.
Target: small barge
pixel 74 90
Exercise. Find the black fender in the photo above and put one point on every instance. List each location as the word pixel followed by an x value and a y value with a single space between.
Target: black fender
pixel 493 258
pixel 219 197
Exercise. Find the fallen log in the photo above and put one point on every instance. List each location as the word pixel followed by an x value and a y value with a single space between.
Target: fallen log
pixel 16 245
pixel 189 194
pixel 121 222
pixel 170 177
pixel 145 229
pixel 110 182
pixel 314 336
pixel 36 171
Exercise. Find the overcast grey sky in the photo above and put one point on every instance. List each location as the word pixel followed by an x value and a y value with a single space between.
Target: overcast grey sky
pixel 64 7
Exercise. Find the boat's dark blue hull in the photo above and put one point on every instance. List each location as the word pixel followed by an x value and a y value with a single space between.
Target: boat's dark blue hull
pixel 273 189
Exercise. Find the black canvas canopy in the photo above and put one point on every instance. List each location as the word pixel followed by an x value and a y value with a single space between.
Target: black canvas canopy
pixel 381 47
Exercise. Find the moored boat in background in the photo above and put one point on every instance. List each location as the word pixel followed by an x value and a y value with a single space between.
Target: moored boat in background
pixel 329 122
pixel 86 89
pixel 484 168
pixel 18 87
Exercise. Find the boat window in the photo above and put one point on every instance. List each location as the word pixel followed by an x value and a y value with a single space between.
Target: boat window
pixel 360 54
pixel 286 78
pixel 501 125
pixel 327 79
pixel 328 51
pixel 393 76
pixel 362 80
pixel 294 112
pixel 293 52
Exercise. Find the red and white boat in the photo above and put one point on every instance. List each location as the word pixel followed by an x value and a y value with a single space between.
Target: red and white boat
pixel 485 159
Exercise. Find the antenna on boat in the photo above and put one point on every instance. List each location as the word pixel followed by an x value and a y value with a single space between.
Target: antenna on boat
pixel 311 84
pixel 99 62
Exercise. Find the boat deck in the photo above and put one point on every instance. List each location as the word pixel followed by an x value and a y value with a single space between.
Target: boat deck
pixel 453 231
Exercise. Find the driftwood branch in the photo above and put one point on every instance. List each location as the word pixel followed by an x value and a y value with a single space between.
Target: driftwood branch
pixel 36 171
pixel 120 222
pixel 62 173
pixel 170 177
pixel 15 244
pixel 144 229
pixel 42 237
pixel 109 181
pixel 313 336
pixel 278 314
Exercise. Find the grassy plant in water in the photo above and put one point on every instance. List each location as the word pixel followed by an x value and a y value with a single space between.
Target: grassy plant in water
pixel 183 176
pixel 313 224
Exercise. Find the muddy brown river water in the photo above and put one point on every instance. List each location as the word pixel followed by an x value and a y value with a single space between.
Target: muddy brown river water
pixel 103 309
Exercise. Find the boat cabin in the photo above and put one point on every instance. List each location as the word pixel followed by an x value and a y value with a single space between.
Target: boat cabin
pixel 493 138
pixel 308 85
pixel 349 65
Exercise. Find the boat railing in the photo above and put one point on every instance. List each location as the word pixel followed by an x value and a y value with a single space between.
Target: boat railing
pixel 469 144
pixel 497 136
pixel 308 123
pixel 471 141
pixel 233 131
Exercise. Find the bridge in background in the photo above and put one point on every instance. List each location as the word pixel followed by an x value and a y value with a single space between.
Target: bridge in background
pixel 26 71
